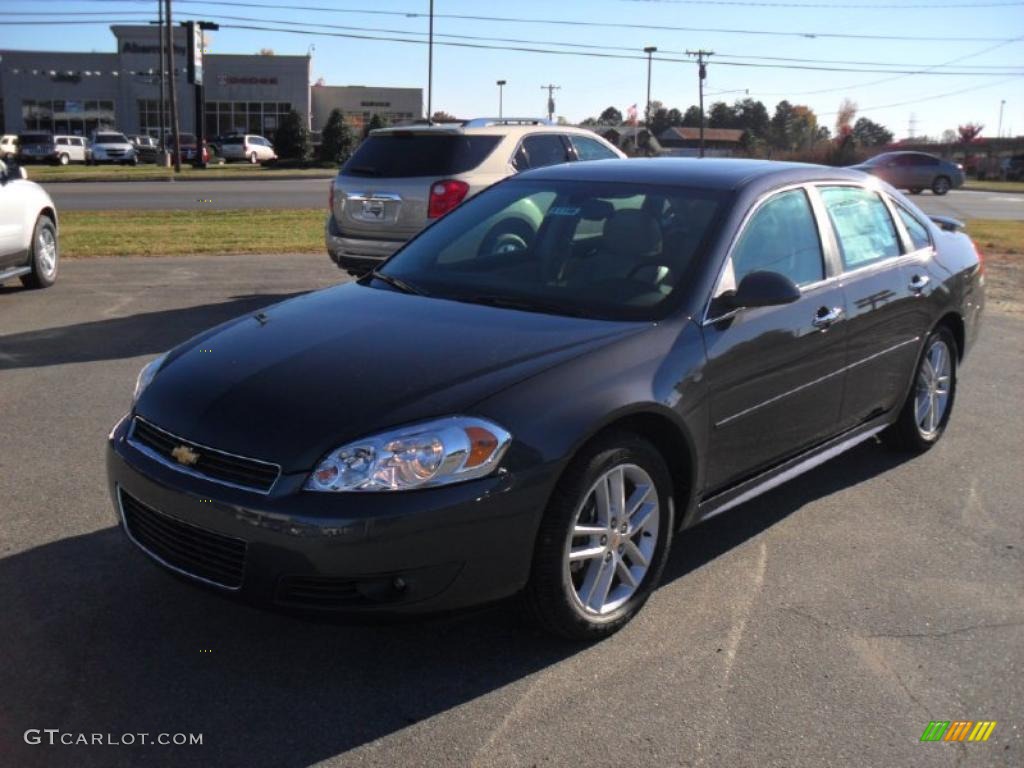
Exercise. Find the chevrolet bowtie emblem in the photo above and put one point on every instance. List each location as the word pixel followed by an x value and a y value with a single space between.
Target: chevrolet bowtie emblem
pixel 185 455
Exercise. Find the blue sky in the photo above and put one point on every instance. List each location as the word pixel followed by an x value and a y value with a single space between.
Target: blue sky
pixel 464 78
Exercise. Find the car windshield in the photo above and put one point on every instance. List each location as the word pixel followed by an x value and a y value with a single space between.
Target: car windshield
pixel 410 154
pixel 596 249
pixel 35 138
pixel 110 138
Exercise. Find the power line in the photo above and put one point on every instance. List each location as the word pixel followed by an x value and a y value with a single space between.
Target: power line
pixel 829 6
pixel 581 23
pixel 923 99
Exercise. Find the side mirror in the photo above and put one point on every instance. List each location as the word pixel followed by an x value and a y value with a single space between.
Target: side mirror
pixel 764 289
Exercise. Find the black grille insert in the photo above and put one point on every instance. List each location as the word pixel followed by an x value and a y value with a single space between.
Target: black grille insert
pixel 319 592
pixel 188 548
pixel 217 465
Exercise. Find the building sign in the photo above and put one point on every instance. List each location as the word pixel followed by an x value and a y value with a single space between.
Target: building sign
pixel 142 48
pixel 239 80
pixel 66 77
pixel 195 58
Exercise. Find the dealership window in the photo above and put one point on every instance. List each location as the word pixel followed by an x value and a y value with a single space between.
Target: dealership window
pixel 71 116
pixel 260 117
pixel 149 118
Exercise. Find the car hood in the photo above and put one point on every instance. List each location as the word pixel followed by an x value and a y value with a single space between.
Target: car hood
pixel 302 377
pixel 113 146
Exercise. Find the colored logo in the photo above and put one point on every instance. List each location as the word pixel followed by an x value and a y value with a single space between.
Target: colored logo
pixel 958 730
pixel 185 455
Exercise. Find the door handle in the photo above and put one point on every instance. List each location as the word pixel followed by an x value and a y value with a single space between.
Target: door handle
pixel 918 283
pixel 826 317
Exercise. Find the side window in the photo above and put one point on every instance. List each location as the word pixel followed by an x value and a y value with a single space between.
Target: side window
pixel 545 149
pixel 62 142
pixel 781 237
pixel 918 232
pixel 864 229
pixel 520 161
pixel 589 149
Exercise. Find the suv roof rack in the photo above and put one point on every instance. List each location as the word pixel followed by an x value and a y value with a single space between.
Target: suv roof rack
pixel 482 122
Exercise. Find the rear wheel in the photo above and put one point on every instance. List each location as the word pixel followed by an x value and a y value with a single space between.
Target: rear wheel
pixel 941 185
pixel 929 405
pixel 604 539
pixel 44 255
pixel 253 159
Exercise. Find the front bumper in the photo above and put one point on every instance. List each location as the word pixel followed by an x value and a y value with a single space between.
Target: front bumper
pixel 356 255
pixel 413 552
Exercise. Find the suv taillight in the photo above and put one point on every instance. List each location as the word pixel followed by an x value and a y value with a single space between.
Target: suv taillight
pixel 445 195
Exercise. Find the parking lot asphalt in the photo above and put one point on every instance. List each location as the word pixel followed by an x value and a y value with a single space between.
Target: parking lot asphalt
pixel 312 193
pixel 824 624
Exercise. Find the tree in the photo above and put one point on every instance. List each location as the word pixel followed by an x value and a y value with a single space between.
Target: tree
pixel 376 121
pixel 266 52
pixel 752 117
pixel 780 130
pixel 440 116
pixel 844 118
pixel 561 120
pixel 969 132
pixel 721 116
pixel 338 139
pixel 949 136
pixel 692 117
pixel 659 122
pixel 292 138
pixel 611 116
pixel 868 133
pixel 674 117
pixel 804 127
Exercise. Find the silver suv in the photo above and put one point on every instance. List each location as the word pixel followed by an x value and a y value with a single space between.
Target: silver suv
pixel 402 178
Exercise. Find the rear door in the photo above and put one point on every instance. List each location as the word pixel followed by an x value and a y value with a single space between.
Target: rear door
pixel 540 150
pixel 383 191
pixel 774 374
pixel 883 338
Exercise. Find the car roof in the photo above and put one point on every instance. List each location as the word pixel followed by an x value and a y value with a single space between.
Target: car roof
pixel 496 127
pixel 705 173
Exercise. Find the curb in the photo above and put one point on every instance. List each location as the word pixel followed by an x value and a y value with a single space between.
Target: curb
pixel 172 179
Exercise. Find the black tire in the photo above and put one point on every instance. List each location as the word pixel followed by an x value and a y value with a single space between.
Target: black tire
pixel 253 160
pixel 941 185
pixel 40 277
pixel 63 159
pixel 915 190
pixel 550 596
pixel 906 434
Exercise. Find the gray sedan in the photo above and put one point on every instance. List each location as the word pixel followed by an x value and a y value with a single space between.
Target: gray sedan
pixel 915 171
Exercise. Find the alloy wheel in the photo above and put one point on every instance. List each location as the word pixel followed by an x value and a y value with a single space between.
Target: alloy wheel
pixel 934 379
pixel 46 245
pixel 611 544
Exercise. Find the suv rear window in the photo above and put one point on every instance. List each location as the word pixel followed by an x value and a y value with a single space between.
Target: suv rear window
pixel 419 154
pixel 35 138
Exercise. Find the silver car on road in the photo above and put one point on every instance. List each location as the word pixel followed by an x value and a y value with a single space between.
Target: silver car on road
pixel 402 178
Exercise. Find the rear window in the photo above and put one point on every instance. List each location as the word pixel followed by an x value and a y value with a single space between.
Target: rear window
pixel 234 140
pixel 418 154
pixel 35 138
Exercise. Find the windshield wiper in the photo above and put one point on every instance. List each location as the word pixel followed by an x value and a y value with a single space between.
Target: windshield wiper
pixel 525 305
pixel 398 283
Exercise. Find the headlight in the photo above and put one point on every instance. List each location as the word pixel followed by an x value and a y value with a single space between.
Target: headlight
pixel 146 376
pixel 439 452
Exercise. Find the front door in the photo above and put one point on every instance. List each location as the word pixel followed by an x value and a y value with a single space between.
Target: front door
pixel 11 215
pixel 775 374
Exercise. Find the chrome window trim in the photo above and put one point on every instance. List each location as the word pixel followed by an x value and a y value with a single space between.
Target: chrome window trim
pixel 189 471
pixel 169 566
pixel 820 379
pixel 761 200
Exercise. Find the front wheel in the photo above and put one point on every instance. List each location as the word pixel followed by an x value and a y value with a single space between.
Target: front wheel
pixel 253 159
pixel 44 255
pixel 63 159
pixel 940 186
pixel 604 539
pixel 929 405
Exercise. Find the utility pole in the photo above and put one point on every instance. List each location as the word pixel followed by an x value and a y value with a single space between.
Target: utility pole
pixel 430 64
pixel 702 72
pixel 649 50
pixel 999 131
pixel 174 91
pixel 501 87
pixel 551 99
pixel 163 75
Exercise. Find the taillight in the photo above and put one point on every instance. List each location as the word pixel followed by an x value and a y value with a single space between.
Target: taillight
pixel 330 198
pixel 445 195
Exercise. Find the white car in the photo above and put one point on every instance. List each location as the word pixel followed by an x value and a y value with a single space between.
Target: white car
pixel 111 147
pixel 70 149
pixel 255 149
pixel 29 247
pixel 8 146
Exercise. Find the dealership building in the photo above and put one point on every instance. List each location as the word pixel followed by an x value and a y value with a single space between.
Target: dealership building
pixel 76 93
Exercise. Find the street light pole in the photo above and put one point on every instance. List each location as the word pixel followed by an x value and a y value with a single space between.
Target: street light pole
pixel 999 131
pixel 702 73
pixel 501 86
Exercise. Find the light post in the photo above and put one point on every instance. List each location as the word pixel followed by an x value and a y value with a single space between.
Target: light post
pixel 999 130
pixel 501 87
pixel 649 50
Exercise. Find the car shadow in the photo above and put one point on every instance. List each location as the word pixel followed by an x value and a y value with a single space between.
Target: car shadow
pixel 98 641
pixel 123 337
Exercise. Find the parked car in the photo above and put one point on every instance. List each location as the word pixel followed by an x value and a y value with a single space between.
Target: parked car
pixel 1014 168
pixel 189 147
pixel 29 243
pixel 8 146
pixel 146 148
pixel 254 149
pixel 46 147
pixel 112 147
pixel 915 171
pixel 460 425
pixel 400 179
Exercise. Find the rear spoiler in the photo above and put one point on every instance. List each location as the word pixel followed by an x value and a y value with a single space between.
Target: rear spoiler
pixel 947 224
